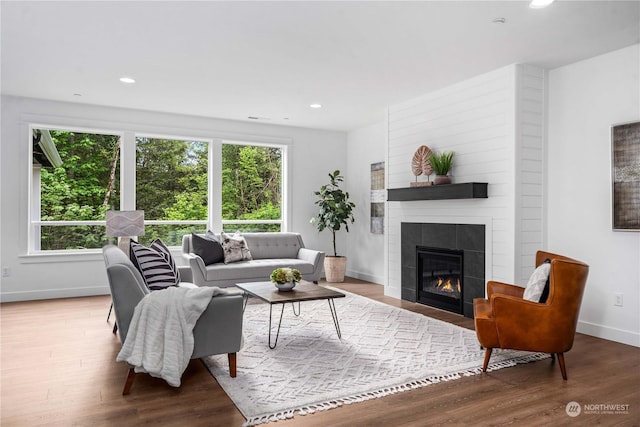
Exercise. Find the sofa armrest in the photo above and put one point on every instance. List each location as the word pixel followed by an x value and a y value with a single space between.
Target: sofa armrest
pixel 504 289
pixel 219 328
pixel 314 257
pixel 198 269
pixel 185 273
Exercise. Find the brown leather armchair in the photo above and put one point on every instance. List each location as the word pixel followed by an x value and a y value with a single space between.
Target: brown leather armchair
pixel 505 320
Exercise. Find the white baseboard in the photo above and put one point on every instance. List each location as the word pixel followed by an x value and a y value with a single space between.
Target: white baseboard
pixel 609 333
pixel 53 294
pixel 364 276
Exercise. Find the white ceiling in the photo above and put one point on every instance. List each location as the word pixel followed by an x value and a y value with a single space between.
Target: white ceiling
pixel 272 59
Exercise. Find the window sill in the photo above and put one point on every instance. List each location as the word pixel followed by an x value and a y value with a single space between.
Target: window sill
pixel 87 255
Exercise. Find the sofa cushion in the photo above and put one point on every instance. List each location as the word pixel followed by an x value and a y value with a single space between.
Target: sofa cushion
pixel 235 248
pixel 273 245
pixel 155 263
pixel 256 269
pixel 207 247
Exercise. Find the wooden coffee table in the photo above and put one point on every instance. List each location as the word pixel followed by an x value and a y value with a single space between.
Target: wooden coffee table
pixel 304 291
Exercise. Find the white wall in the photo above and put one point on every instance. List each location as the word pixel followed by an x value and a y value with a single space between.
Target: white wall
pixel 585 99
pixel 365 250
pixel 489 121
pixel 313 154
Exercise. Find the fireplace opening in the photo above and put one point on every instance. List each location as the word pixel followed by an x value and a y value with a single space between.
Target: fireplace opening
pixel 439 278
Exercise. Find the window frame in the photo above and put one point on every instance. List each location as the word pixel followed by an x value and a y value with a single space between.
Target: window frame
pixel 33 203
pixel 127 135
pixel 284 202
pixel 131 184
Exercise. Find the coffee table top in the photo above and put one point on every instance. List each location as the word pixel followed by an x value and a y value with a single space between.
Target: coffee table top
pixel 304 291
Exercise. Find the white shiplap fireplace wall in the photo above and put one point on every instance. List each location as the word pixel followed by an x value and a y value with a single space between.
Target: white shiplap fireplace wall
pixel 494 123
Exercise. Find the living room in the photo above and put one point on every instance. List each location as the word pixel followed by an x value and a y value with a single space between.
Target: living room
pixel 579 102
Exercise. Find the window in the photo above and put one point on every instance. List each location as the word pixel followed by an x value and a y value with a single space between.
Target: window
pixel 183 185
pixel 172 187
pixel 251 187
pixel 75 180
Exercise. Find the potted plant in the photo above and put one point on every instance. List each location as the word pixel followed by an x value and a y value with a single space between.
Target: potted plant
pixel 441 164
pixel 335 211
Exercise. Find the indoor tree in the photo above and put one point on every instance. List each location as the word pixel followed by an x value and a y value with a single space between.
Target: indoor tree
pixel 335 211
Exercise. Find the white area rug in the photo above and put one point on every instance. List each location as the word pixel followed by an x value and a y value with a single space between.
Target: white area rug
pixel 383 350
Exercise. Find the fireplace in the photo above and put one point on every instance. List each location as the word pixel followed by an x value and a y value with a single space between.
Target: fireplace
pixel 439 278
pixel 459 249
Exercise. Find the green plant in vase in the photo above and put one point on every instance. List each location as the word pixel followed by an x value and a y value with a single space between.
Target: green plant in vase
pixel 441 164
pixel 335 211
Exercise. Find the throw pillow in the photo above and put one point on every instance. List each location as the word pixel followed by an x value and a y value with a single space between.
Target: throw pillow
pixel 235 248
pixel 545 291
pixel 537 282
pixel 207 247
pixel 155 263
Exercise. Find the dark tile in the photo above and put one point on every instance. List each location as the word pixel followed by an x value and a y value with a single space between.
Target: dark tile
pixel 439 235
pixel 470 237
pixel 467 310
pixel 408 280
pixel 474 264
pixel 408 295
pixel 410 238
pixel 473 288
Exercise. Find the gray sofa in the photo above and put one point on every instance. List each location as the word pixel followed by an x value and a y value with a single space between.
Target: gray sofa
pixel 268 250
pixel 217 331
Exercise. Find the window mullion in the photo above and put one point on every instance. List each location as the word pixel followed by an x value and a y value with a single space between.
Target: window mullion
pixel 215 185
pixel 128 171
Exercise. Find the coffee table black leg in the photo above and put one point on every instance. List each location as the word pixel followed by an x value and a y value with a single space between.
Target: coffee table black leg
pixel 245 300
pixel 279 323
pixel 334 314
pixel 293 306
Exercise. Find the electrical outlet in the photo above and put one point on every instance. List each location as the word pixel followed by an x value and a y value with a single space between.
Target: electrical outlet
pixel 618 301
pixel 5 272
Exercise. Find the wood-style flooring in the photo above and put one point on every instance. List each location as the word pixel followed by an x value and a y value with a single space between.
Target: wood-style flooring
pixel 58 368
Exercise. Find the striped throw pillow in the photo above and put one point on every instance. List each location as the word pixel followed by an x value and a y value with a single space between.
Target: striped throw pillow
pixel 156 265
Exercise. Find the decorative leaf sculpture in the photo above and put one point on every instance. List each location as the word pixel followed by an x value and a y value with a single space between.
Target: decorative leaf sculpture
pixel 420 163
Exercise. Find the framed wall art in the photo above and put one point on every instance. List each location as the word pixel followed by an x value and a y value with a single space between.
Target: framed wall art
pixel 625 173
pixel 378 194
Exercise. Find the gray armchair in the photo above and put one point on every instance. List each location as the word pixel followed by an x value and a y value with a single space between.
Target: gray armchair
pixel 217 331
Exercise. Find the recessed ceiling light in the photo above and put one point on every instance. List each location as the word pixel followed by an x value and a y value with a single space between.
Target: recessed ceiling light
pixel 539 4
pixel 127 80
pixel 77 94
pixel 315 105
pixel 499 21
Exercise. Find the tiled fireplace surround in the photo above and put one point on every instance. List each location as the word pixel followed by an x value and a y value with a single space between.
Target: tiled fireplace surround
pixel 468 238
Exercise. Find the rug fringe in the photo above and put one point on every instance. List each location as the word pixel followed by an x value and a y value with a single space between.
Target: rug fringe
pixel 362 397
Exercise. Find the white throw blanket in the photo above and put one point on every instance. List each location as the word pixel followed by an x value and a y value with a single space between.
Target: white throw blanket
pixel 160 337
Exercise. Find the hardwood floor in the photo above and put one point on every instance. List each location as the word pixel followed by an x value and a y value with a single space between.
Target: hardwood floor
pixel 58 369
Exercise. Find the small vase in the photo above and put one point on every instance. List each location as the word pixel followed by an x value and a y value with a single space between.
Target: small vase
pixel 442 179
pixel 285 286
